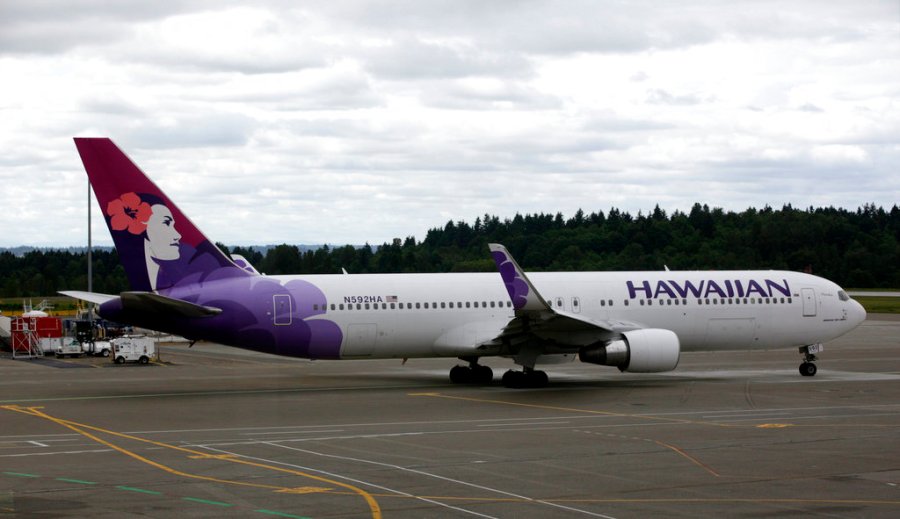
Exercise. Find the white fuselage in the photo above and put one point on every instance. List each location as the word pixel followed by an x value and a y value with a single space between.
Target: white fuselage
pixel 423 315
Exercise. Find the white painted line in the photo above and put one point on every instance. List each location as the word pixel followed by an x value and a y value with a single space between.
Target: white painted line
pixel 52 453
pixel 353 480
pixel 523 423
pixel 443 478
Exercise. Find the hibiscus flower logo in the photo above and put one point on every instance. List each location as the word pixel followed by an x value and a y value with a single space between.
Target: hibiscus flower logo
pixel 129 212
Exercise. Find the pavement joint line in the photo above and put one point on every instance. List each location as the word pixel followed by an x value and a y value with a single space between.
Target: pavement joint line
pixel 280 514
pixel 207 502
pixel 139 490
pixel 79 481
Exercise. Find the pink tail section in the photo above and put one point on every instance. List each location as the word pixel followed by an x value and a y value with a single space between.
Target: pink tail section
pixel 158 245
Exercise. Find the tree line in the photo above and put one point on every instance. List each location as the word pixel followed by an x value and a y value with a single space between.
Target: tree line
pixel 858 248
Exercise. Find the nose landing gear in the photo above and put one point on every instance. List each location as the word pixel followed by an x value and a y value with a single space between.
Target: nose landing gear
pixel 807 368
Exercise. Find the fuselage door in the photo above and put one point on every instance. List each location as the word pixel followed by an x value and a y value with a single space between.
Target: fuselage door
pixel 809 302
pixel 281 311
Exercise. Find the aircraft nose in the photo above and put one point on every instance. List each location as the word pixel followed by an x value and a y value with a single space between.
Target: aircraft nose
pixel 857 312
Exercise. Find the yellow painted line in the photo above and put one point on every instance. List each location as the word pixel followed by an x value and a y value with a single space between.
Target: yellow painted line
pixel 774 425
pixel 79 428
pixel 305 490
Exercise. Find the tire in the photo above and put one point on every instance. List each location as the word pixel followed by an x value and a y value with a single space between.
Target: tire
pixel 513 379
pixel 104 353
pixel 120 360
pixel 808 369
pixel 483 374
pixel 144 359
pixel 460 374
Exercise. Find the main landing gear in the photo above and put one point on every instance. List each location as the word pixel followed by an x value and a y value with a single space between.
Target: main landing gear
pixel 474 373
pixel 808 369
pixel 528 377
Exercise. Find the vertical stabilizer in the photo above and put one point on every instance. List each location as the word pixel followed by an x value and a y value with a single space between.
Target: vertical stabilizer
pixel 157 244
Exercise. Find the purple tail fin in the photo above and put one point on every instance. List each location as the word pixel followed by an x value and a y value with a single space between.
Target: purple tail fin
pixel 159 247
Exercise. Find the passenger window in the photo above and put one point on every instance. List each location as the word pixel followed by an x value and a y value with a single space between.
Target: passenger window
pixel 332 307
pixel 392 306
pixel 341 306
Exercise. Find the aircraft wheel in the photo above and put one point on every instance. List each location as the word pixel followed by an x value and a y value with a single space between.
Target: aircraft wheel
pixel 513 379
pixel 539 379
pixel 808 369
pixel 482 374
pixel 460 374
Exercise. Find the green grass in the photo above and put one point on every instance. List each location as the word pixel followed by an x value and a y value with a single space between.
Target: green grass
pixel 880 305
pixel 62 305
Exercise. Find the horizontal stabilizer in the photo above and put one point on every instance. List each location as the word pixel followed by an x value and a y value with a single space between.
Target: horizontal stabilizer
pixel 156 304
pixel 90 297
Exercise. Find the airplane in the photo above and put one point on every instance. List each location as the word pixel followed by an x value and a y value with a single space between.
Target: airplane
pixel 181 283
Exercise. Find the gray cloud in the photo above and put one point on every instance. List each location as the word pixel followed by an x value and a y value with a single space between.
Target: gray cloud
pixel 355 121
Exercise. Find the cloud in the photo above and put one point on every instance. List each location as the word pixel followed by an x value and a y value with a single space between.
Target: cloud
pixel 354 121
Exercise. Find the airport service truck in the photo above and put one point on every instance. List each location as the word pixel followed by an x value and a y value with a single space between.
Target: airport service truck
pixel 133 348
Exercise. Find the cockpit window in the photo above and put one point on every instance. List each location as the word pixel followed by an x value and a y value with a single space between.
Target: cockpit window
pixel 843 295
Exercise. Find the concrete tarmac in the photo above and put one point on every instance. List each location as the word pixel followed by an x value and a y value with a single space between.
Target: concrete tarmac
pixel 212 431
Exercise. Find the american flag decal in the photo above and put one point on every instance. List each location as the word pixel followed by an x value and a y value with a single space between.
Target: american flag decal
pixel 391 299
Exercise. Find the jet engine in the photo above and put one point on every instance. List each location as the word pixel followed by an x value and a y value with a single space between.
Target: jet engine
pixel 638 351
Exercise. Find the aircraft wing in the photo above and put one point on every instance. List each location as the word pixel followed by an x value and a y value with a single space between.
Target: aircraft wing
pixel 535 317
pixel 90 297
pixel 155 304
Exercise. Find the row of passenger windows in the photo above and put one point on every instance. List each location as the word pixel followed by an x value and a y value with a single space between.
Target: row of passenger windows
pixel 559 303
pixel 416 306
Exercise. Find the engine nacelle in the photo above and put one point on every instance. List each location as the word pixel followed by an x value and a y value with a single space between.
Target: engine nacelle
pixel 639 351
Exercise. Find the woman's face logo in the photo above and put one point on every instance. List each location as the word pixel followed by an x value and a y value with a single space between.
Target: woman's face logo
pixel 161 234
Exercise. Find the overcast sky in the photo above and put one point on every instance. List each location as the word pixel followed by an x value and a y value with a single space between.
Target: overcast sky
pixel 347 122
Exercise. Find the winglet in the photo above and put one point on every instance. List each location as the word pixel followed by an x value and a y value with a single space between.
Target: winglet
pixel 522 293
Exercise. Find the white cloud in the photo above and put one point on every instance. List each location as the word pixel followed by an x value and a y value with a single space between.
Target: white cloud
pixel 354 121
